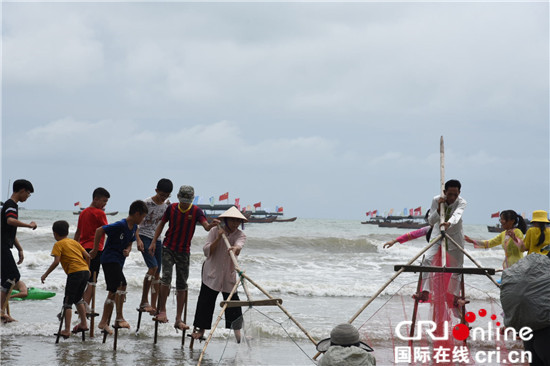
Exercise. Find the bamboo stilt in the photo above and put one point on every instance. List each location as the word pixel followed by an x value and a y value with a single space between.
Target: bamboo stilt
pixel 92 320
pixel 184 317
pixel 415 310
pixel 58 334
pixel 442 212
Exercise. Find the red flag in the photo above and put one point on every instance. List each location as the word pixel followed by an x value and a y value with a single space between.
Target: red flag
pixel 237 203
pixel 280 209
pixel 258 204
pixel 373 213
pixel 77 203
pixel 411 211
pixel 224 196
pixel 418 211
pixel 496 214
pixel 368 213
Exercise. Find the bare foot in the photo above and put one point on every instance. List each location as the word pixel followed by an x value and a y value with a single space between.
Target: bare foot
pixel 105 328
pixel 180 325
pixel 65 333
pixel 145 307
pixel 161 317
pixel 7 319
pixel 198 334
pixel 121 323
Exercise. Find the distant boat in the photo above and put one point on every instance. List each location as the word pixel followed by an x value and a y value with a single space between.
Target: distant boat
pixel 292 219
pixel 404 222
pixel 374 221
pixel 112 213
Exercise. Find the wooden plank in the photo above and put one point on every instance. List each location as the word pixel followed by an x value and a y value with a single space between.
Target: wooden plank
pixel 266 302
pixel 482 271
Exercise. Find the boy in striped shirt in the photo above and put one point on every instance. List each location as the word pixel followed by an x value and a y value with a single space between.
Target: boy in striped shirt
pixel 182 218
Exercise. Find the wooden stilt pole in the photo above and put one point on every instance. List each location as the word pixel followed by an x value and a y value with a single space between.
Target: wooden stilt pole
pixel 93 315
pixel 184 317
pixel 139 320
pixel 58 334
pixel 415 310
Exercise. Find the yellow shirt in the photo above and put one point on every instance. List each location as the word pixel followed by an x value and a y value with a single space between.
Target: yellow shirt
pixel 511 251
pixel 532 238
pixel 70 253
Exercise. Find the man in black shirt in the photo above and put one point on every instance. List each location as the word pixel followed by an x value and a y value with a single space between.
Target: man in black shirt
pixel 22 190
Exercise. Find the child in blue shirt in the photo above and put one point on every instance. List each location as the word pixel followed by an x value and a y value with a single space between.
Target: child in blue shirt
pixel 120 236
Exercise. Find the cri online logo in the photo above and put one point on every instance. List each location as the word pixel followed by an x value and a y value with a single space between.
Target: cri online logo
pixel 461 332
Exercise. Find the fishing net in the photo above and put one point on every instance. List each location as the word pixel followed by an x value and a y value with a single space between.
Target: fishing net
pixel 443 332
pixel 266 339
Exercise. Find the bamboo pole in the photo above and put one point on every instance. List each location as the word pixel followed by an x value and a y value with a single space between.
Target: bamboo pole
pixel 216 324
pixel 415 309
pixel 442 213
pixel 235 263
pixel 92 320
pixel 58 334
pixel 184 317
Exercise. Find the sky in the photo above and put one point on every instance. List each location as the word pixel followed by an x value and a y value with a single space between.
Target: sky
pixel 329 110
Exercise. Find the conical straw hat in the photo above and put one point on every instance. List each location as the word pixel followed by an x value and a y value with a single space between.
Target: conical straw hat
pixel 234 213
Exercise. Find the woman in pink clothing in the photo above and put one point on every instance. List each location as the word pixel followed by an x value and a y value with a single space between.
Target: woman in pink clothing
pixel 218 274
pixel 409 236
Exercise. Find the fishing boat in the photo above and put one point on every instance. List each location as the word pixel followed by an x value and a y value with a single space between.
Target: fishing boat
pixel 374 220
pixel 111 213
pixel 404 222
pixel 291 219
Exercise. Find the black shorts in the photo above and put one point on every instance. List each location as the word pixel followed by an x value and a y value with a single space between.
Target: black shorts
pixel 113 276
pixel 74 288
pixel 95 264
pixel 9 269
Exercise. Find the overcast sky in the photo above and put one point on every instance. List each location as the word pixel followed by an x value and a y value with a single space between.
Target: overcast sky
pixel 329 110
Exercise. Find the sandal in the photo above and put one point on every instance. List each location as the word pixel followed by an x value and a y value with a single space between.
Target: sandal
pixel 180 325
pixel 161 317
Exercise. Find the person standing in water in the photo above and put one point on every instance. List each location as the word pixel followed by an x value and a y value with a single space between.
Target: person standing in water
pixel 218 274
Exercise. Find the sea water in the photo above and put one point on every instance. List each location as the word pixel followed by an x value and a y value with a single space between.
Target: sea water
pixel 323 270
